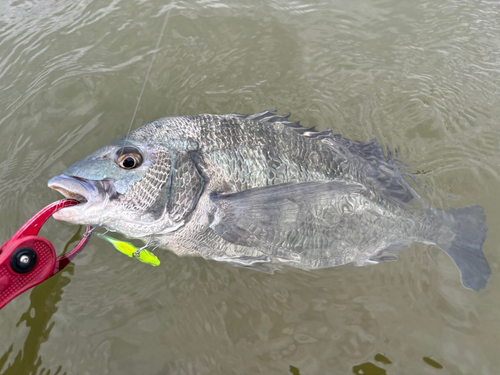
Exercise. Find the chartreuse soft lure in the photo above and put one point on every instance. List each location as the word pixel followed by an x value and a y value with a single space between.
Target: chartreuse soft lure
pixel 130 250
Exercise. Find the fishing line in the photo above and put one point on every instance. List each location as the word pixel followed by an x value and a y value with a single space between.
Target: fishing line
pixel 147 74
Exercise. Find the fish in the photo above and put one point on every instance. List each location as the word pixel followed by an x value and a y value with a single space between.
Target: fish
pixel 260 189
pixel 142 255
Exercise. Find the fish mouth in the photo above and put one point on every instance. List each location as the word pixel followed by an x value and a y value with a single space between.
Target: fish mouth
pixel 91 195
pixel 72 187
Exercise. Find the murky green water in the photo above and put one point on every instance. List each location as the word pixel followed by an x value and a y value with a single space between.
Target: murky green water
pixel 422 77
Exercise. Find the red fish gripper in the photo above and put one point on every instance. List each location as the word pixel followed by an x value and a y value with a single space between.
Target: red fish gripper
pixel 27 259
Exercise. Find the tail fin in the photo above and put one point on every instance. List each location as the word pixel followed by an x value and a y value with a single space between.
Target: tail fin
pixel 468 225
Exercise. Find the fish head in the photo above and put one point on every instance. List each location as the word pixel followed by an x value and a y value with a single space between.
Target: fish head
pixel 122 186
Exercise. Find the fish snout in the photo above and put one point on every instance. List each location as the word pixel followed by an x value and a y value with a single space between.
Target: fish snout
pixel 92 195
pixel 73 187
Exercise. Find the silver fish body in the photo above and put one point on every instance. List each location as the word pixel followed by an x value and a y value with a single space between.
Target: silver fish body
pixel 261 189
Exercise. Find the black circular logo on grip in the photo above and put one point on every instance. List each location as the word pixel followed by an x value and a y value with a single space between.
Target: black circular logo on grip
pixel 23 260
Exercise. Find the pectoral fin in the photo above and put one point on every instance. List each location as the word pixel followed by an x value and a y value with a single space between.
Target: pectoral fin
pixel 286 216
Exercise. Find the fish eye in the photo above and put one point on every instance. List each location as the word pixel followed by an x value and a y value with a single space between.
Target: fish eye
pixel 129 158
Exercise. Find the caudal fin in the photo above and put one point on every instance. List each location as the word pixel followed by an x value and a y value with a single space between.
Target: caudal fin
pixel 466 251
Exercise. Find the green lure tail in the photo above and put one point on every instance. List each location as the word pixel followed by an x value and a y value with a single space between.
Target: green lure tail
pixel 128 249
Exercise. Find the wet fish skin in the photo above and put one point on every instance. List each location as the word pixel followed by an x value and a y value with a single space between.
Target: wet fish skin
pixel 259 188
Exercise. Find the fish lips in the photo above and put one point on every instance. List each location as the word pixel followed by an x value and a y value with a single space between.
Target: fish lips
pixel 92 195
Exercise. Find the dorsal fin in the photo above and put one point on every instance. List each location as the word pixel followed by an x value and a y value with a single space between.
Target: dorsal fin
pixel 271 117
pixel 370 162
pixel 375 168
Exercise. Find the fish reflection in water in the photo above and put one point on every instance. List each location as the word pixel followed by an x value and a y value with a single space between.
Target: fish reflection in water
pixel 262 189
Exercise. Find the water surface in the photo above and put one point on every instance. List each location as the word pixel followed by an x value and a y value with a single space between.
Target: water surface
pixel 422 77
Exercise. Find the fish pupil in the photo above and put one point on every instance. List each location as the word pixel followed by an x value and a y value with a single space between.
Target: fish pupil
pixel 129 162
pixel 128 158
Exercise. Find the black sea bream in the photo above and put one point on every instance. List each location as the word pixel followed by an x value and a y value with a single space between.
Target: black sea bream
pixel 261 189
